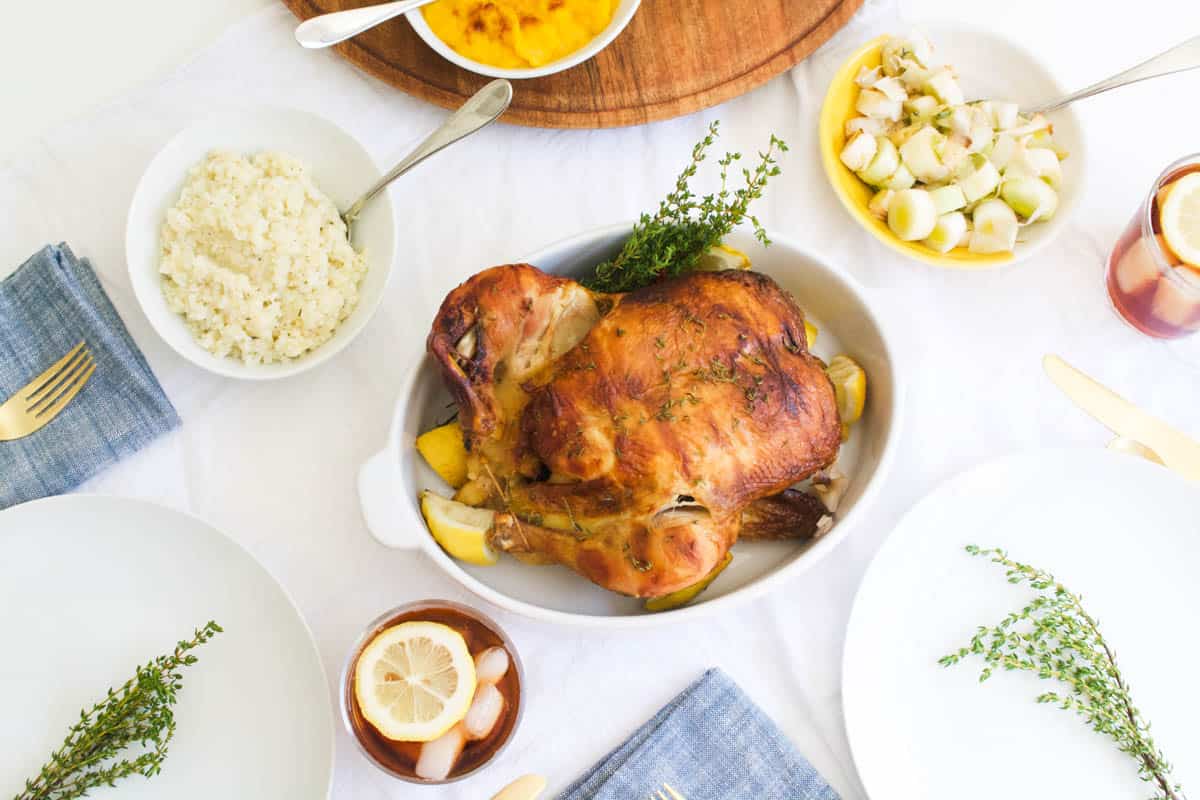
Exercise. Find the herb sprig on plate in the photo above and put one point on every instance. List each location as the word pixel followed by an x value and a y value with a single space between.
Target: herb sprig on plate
pixel 1056 639
pixel 137 717
pixel 685 226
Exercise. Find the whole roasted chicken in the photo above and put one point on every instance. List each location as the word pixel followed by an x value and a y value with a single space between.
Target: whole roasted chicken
pixel 634 438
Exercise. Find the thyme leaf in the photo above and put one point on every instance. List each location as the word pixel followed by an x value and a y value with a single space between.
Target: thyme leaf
pixel 125 734
pixel 1054 638
pixel 685 226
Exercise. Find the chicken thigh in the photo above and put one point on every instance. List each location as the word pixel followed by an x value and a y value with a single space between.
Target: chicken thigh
pixel 625 435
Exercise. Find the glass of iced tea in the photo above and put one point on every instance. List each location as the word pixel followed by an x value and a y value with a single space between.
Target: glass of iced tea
pixel 1150 286
pixel 432 691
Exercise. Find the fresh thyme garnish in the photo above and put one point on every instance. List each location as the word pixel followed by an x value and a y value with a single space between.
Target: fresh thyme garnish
pixel 581 533
pixel 1056 639
pixel 138 715
pixel 685 226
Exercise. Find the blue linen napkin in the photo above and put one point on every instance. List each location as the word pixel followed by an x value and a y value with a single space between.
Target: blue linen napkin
pixel 710 743
pixel 51 303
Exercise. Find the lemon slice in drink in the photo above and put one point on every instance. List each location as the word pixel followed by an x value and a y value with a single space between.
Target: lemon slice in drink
pixel 1180 219
pixel 415 681
pixel 460 529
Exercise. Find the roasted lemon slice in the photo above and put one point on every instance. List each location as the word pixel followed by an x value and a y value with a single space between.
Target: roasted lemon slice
pixel 850 385
pixel 1180 218
pixel 460 529
pixel 415 681
pixel 721 257
pixel 444 451
pixel 689 593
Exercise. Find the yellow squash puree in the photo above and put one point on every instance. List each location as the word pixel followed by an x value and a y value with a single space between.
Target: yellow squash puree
pixel 518 33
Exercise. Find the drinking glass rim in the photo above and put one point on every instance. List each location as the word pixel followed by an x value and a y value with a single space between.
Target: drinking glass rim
pixel 366 636
pixel 1167 270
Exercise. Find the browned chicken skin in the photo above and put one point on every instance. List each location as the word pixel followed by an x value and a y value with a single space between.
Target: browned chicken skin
pixel 625 435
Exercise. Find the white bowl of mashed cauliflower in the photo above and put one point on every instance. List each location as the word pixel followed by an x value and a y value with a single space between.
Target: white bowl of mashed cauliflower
pixel 236 250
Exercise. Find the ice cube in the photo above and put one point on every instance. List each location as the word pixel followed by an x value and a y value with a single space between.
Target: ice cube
pixel 1138 268
pixel 439 756
pixel 484 713
pixel 1176 302
pixel 491 664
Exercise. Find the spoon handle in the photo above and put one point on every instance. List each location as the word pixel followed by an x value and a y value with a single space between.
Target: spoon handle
pixel 1179 58
pixel 479 111
pixel 329 29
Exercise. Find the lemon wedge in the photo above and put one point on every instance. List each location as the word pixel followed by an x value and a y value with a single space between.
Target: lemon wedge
pixel 415 681
pixel 721 257
pixel 687 594
pixel 850 386
pixel 460 529
pixel 444 451
pixel 810 333
pixel 1180 219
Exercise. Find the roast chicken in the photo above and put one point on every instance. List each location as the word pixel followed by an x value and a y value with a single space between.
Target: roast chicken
pixel 634 438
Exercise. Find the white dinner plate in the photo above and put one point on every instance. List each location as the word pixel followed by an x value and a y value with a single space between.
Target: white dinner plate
pixel 91 587
pixel 1123 533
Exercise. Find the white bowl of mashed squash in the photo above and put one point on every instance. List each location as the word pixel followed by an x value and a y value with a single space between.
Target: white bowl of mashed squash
pixel 520 38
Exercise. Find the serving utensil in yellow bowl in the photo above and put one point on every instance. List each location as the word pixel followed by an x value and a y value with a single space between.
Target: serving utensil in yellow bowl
pixel 989 67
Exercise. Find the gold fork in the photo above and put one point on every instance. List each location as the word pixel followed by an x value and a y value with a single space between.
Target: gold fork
pixel 667 793
pixel 44 397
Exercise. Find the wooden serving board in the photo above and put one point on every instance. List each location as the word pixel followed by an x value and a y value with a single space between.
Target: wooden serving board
pixel 675 57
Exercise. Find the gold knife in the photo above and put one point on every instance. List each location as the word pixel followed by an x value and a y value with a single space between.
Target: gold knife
pixel 1177 451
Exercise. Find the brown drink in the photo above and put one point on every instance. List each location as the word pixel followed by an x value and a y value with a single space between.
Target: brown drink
pixel 1151 287
pixel 400 758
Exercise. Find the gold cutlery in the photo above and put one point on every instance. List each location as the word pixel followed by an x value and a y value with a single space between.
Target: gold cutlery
pixel 44 397
pixel 667 793
pixel 1123 445
pixel 527 787
pixel 1138 432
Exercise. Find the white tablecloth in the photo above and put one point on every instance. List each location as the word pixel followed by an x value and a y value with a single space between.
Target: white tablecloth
pixel 274 464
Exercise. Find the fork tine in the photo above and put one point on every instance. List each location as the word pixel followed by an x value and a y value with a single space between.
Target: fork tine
pixel 51 411
pixel 39 383
pixel 60 383
pixel 674 794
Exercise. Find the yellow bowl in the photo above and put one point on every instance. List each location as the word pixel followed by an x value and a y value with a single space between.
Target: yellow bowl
pixel 854 194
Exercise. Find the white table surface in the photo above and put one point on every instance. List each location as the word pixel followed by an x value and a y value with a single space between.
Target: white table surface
pixel 99 50
pixel 274 464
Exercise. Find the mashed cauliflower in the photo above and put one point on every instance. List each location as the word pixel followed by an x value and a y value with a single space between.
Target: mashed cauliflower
pixel 255 257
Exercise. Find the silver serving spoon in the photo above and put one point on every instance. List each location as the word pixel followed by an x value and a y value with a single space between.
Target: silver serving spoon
pixel 329 29
pixel 478 112
pixel 1181 57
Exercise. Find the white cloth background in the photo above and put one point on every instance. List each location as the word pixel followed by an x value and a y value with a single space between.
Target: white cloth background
pixel 274 464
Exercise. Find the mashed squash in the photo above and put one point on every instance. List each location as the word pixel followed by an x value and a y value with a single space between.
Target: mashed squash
pixel 517 34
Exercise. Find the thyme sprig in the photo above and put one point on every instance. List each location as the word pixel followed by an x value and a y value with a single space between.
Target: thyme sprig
pixel 685 226
pixel 1056 639
pixel 137 717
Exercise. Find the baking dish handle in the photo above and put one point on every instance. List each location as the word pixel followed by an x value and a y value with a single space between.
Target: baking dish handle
pixel 378 481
